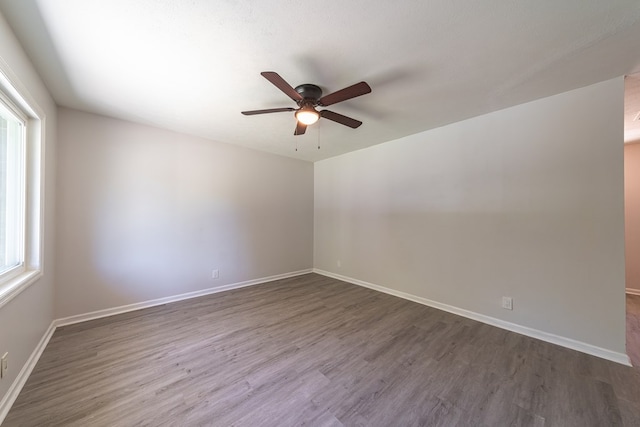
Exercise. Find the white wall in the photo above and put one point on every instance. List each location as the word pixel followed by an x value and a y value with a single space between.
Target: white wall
pixel 525 202
pixel 145 213
pixel 24 319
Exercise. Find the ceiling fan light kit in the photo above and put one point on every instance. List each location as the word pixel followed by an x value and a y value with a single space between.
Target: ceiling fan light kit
pixel 308 97
pixel 307 115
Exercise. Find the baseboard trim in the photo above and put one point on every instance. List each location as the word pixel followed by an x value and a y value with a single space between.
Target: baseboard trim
pixel 513 327
pixel 15 388
pixel 631 291
pixel 174 298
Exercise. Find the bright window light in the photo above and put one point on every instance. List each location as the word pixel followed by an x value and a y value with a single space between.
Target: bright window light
pixel 12 190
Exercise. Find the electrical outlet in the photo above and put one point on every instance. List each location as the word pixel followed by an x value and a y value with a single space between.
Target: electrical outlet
pixel 339 264
pixel 215 274
pixel 507 303
pixel 4 365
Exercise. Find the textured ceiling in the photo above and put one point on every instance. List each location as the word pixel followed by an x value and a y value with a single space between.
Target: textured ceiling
pixel 192 66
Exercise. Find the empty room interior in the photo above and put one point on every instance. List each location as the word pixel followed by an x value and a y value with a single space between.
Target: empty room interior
pixel 331 213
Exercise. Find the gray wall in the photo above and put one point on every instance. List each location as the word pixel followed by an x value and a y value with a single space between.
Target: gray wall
pixel 145 213
pixel 525 202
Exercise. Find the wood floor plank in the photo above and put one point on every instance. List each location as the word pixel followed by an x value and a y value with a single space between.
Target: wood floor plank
pixel 633 329
pixel 315 351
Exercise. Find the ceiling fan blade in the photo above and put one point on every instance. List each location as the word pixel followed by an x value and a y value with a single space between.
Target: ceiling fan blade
pixel 270 110
pixel 301 128
pixel 352 91
pixel 339 118
pixel 281 84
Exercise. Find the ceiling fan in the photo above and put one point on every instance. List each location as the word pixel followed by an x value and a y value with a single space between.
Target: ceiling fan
pixel 308 97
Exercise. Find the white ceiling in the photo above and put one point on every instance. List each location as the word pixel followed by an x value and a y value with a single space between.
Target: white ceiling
pixel 193 65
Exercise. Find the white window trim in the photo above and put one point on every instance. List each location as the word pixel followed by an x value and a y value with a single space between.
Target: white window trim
pixel 13 285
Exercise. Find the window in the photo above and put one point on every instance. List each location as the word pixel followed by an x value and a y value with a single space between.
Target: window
pixel 12 189
pixel 21 146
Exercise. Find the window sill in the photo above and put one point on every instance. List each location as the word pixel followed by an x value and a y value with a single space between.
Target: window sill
pixel 15 285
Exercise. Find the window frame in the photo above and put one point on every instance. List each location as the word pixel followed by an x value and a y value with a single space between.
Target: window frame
pixel 19 116
pixel 20 102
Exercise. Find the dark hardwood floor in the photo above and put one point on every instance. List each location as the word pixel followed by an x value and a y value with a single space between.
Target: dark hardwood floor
pixel 315 351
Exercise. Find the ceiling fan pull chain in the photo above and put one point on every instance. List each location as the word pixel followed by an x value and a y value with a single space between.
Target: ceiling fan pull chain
pixel 319 136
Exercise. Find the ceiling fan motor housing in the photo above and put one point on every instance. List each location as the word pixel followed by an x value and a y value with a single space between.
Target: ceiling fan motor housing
pixel 309 91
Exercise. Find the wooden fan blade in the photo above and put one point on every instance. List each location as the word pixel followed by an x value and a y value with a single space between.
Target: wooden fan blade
pixel 270 110
pixel 352 91
pixel 301 128
pixel 339 118
pixel 281 84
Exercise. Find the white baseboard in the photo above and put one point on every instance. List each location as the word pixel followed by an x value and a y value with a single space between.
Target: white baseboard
pixel 631 291
pixel 523 330
pixel 15 388
pixel 174 298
